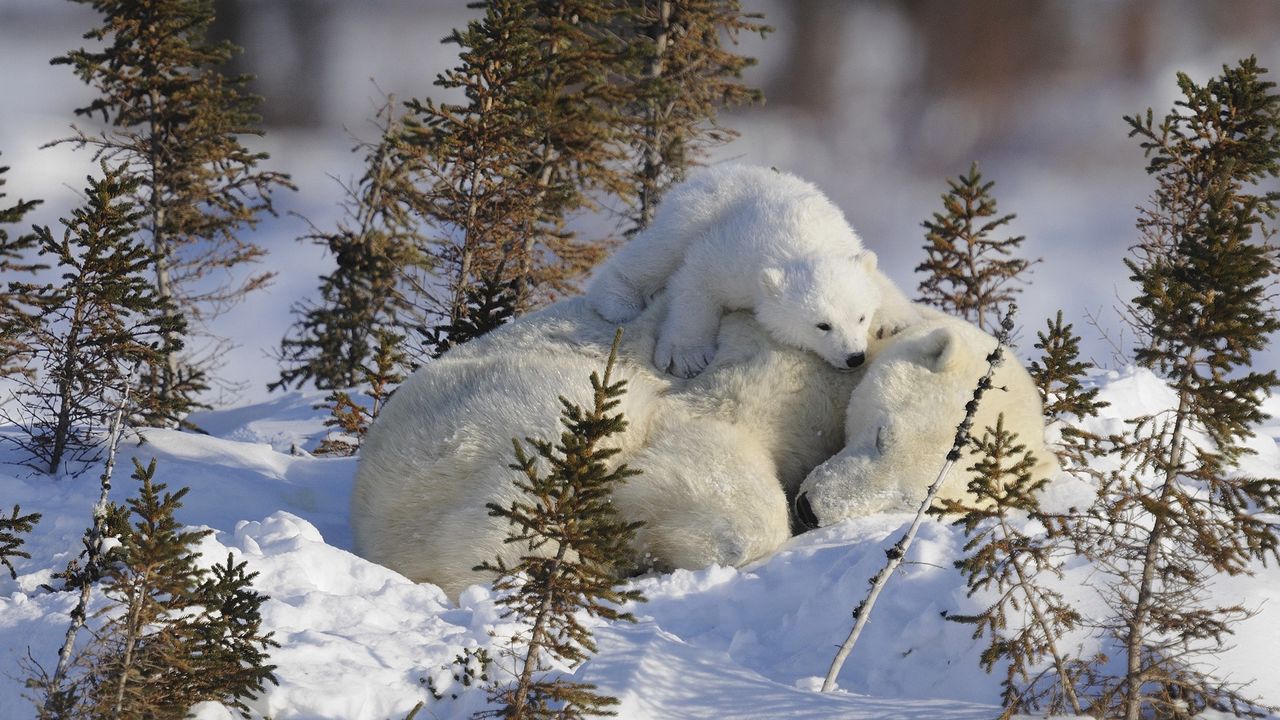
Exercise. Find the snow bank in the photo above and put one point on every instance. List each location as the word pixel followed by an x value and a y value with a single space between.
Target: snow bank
pixel 360 642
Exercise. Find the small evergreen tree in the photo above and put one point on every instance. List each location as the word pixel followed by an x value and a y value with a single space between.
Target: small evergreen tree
pixel 1174 515
pixel 230 645
pixel 683 77
pixel 102 314
pixel 570 100
pixel 567 105
pixel 14 320
pixel 488 305
pixel 376 248
pixel 176 123
pixel 1059 371
pixel 11 530
pixel 348 422
pixel 349 418
pixel 1002 556
pixel 174 634
pixel 573 538
pixel 970 272
pixel 501 171
pixel 1058 375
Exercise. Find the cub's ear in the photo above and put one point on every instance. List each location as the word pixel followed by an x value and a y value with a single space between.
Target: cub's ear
pixel 771 281
pixel 939 350
pixel 866 259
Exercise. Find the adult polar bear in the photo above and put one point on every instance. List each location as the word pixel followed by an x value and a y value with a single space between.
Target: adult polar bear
pixel 720 454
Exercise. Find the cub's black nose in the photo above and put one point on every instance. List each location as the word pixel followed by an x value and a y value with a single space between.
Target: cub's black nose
pixel 855 359
pixel 805 512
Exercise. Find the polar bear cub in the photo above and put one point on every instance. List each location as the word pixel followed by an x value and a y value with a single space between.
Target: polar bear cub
pixel 738 237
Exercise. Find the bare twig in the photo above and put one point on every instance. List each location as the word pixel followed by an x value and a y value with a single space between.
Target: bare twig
pixel 92 544
pixel 899 550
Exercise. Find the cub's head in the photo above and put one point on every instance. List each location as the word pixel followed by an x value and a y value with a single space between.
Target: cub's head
pixel 823 304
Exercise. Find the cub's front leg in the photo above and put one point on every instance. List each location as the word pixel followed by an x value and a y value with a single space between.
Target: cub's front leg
pixel 896 312
pixel 686 340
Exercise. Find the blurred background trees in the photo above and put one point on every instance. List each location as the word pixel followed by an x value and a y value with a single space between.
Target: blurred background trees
pixel 875 101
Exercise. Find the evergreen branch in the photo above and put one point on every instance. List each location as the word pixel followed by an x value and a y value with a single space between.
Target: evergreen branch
pixel 10 541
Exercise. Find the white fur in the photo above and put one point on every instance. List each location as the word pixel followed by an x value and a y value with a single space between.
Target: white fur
pixel 902 419
pixel 748 238
pixel 719 454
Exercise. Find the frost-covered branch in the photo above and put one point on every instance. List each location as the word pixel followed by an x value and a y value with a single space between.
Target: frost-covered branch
pixel 899 550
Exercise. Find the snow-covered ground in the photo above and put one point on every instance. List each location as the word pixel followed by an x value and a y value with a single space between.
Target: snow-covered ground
pixel 359 641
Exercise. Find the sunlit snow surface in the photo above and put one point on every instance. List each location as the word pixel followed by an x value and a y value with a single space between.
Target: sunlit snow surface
pixel 359 641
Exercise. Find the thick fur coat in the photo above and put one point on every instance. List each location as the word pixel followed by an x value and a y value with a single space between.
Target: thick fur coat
pixel 736 237
pixel 718 453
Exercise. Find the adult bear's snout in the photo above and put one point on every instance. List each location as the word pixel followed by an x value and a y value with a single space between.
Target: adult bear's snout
pixel 804 511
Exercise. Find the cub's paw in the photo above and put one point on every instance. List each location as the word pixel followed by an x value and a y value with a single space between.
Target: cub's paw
pixel 682 360
pixel 889 322
pixel 616 304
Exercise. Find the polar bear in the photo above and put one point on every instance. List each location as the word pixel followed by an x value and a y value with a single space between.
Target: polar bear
pixel 720 454
pixel 902 419
pixel 742 237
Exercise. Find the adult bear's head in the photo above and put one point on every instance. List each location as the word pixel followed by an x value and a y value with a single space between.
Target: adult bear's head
pixel 902 419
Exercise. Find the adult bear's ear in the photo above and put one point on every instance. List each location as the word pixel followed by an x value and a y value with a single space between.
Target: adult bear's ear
pixel 771 281
pixel 939 350
pixel 866 259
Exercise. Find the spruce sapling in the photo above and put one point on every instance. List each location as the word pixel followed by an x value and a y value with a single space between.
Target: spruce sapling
pixel 487 305
pixel 11 530
pixel 230 645
pixel 175 634
pixel 895 554
pixel 1058 375
pixel 1176 515
pixel 499 173
pixel 176 123
pixel 684 75
pixel 101 314
pixel 970 272
pixel 1059 371
pixel 376 248
pixel 349 418
pixel 1009 558
pixel 573 538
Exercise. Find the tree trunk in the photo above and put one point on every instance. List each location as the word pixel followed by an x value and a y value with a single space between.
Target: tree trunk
pixel 1068 684
pixel 1142 606
pixel 537 637
pixel 653 138
pixel 66 399
pixel 93 550
pixel 162 246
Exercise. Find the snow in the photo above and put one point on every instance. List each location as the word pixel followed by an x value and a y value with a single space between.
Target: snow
pixel 359 641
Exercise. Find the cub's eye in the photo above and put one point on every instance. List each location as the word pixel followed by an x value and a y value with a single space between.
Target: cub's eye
pixel 861 319
pixel 824 327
